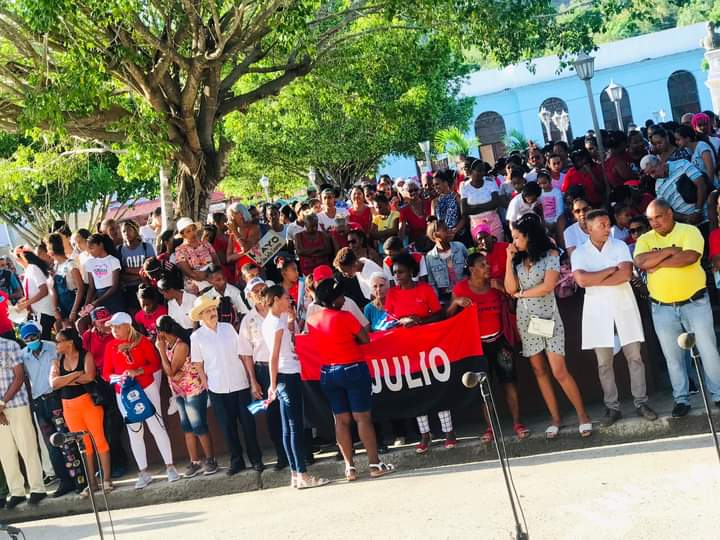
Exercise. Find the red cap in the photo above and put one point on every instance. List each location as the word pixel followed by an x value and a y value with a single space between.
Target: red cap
pixel 322 273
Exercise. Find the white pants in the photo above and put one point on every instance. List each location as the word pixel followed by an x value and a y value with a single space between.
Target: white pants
pixel 44 453
pixel 136 432
pixel 19 436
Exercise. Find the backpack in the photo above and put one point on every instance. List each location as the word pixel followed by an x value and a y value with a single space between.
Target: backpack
pixel 137 405
pixel 226 311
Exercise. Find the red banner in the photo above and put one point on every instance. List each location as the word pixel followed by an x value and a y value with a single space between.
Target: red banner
pixel 417 354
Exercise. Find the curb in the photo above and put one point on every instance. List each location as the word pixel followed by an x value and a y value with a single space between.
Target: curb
pixel 469 450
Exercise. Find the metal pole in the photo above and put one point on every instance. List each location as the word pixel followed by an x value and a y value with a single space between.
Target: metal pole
pixel 598 135
pixel 621 127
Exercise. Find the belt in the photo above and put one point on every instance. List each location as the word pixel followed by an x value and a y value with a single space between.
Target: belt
pixel 697 296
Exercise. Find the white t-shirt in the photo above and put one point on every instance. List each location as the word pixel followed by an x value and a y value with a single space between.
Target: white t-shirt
pixel 218 352
pixel 574 236
pixel 250 339
pixel 287 362
pixel 148 234
pixel 480 195
pixel 33 279
pixel 518 208
pixel 291 230
pixel 326 223
pixel 65 270
pixel 83 258
pixel 101 269
pixel 232 292
pixel 181 312
pixel 552 204
pixel 363 277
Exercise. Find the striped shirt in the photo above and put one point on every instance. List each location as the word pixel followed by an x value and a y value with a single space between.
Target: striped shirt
pixel 9 359
pixel 666 188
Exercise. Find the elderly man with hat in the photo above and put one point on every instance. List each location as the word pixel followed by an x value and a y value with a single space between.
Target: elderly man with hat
pixel 17 433
pixel 230 380
pixel 37 357
pixel 194 256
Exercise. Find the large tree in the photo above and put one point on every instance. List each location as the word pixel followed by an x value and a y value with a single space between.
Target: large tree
pixel 163 75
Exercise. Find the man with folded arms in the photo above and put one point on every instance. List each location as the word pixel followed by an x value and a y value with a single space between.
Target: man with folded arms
pixel 603 266
pixel 670 253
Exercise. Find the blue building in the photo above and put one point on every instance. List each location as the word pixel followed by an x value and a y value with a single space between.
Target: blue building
pixel 660 73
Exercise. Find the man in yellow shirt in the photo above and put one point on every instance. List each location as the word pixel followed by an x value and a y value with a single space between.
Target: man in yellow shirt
pixel 670 253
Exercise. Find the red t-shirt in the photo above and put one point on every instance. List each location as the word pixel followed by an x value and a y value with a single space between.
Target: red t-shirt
pixel 148 320
pixel 220 246
pixel 488 304
pixel 362 219
pixel 95 343
pixel 416 224
pixel 575 177
pixel 420 301
pixel 6 324
pixel 714 243
pixel 143 355
pixel 497 259
pixel 336 330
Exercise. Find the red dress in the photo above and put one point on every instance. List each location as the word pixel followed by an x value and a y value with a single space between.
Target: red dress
pixel 416 224
pixel 612 176
pixel 361 220
pixel 308 264
pixel 576 177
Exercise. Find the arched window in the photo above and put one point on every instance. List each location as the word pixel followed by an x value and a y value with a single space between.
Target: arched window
pixel 683 94
pixel 555 106
pixel 490 131
pixel 609 113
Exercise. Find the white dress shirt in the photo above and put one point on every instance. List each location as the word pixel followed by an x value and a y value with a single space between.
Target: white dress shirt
pixel 218 352
pixel 250 338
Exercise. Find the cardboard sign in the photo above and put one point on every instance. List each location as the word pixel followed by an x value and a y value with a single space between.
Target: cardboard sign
pixel 267 247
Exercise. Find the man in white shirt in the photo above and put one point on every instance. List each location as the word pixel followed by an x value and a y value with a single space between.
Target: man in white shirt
pixel 232 305
pixel 253 350
pixel 230 381
pixel 327 218
pixel 536 160
pixel 576 234
pixel 525 202
pixel 350 265
pixel 603 266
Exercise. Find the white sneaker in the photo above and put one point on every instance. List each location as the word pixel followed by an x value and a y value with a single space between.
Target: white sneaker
pixel 172 475
pixel 172 406
pixel 143 480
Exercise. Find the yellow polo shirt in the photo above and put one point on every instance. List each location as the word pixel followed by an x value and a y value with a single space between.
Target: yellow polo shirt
pixel 674 284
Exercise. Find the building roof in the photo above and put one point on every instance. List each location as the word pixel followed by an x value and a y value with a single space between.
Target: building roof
pixel 145 207
pixel 608 55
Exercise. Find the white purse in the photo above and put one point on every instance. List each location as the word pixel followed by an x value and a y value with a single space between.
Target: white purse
pixel 541 327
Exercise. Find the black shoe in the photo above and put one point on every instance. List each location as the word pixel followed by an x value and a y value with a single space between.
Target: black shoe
pixel 692 388
pixel 234 469
pixel 646 412
pixel 2 503
pixel 259 467
pixel 611 416
pixel 50 479
pixel 680 409
pixel 13 501
pixel 62 490
pixel 36 498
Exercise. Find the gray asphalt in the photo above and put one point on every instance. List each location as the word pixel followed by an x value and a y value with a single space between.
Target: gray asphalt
pixel 656 490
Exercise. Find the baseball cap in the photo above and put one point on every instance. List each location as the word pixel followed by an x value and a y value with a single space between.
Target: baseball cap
pixel 30 328
pixel 254 282
pixel 321 273
pixel 100 314
pixel 119 318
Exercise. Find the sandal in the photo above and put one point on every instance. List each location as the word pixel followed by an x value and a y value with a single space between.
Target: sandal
pixel 108 486
pixel 293 480
pixel 521 431
pixel 585 430
pixel 311 482
pixel 424 444
pixel 488 436
pixel 380 469
pixel 552 432
pixel 350 473
pixel 85 493
pixel 450 440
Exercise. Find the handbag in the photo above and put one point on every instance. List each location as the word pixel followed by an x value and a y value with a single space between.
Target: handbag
pixel 541 327
pixel 93 388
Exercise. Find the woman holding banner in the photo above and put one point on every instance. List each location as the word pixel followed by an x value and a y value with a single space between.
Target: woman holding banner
pixel 533 270
pixel 411 303
pixel 345 378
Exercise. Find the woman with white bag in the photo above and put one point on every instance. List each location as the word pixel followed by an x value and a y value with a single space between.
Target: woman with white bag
pixel 533 270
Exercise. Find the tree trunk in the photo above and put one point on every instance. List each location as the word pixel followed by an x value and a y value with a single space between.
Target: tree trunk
pixel 197 176
pixel 166 202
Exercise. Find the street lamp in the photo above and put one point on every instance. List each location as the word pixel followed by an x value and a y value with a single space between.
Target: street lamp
pixel 615 93
pixel 265 183
pixel 562 122
pixel 544 116
pixel 425 147
pixel 585 68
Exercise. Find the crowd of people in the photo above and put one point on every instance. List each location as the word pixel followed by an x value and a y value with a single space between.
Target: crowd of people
pixel 137 307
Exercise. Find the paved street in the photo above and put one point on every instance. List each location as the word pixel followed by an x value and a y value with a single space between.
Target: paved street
pixel 656 490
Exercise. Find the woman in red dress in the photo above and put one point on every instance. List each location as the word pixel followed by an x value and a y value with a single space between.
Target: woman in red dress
pixel 360 214
pixel 313 246
pixel 413 215
pixel 244 235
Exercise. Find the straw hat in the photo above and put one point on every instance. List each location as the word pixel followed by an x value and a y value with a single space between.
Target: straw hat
pixel 201 304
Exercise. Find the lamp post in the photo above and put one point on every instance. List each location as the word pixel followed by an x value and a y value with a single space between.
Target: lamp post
pixel 265 184
pixel 312 176
pixel 585 68
pixel 425 147
pixel 544 116
pixel 615 93
pixel 561 121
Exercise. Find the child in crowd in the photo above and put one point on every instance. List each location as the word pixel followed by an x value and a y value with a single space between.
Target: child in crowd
pixel 385 222
pixel 151 309
pixel 555 166
pixel 393 247
pixel 622 216
pixel 527 202
pixel 551 200
pixel 446 261
pixel 290 277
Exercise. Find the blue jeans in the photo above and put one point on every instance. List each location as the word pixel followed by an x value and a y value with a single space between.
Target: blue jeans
pixel 193 413
pixel 289 394
pixel 697 317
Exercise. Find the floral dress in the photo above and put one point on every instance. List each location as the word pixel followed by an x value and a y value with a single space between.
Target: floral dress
pixel 543 307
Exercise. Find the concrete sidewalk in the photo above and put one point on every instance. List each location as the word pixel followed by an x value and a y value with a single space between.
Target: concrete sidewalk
pixel 470 449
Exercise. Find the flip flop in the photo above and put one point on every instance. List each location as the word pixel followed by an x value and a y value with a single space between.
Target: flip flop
pixel 585 430
pixel 350 473
pixel 381 469
pixel 521 431
pixel 552 432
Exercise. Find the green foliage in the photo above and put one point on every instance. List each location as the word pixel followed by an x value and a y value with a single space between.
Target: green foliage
pixel 453 142
pixel 515 141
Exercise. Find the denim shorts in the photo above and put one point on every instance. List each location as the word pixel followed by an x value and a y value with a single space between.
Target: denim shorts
pixel 193 413
pixel 500 360
pixel 347 387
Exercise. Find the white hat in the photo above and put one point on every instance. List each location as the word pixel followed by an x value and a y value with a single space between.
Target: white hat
pixel 202 303
pixel 184 223
pixel 119 318
pixel 254 282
